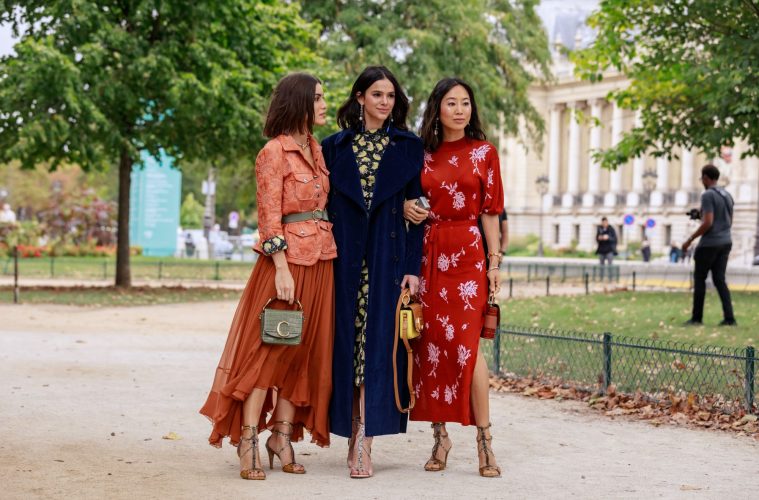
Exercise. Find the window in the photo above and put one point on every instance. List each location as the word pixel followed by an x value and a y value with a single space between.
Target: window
pixel 576 233
pixel 668 234
pixel 556 234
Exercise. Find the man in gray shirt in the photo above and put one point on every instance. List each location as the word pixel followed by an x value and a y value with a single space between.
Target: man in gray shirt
pixel 714 248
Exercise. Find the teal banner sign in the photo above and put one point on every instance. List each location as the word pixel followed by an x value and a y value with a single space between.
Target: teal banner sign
pixel 154 205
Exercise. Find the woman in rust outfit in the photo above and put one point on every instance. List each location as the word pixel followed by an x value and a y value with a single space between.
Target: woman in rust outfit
pixel 293 383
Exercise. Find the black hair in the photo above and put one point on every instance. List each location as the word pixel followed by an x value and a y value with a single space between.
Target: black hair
pixel 292 105
pixel 348 116
pixel 710 171
pixel 433 140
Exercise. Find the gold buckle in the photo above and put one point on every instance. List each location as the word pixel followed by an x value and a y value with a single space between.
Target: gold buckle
pixel 317 213
pixel 279 333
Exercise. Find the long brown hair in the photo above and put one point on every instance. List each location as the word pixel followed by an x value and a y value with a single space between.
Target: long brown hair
pixel 432 140
pixel 291 109
pixel 349 113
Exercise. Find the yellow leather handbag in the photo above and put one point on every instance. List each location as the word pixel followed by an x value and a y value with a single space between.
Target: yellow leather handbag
pixel 409 324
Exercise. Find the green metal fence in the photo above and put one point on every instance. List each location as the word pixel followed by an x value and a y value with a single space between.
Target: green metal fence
pixel 722 377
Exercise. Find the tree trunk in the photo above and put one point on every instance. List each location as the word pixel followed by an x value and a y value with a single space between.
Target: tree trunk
pixel 756 236
pixel 123 272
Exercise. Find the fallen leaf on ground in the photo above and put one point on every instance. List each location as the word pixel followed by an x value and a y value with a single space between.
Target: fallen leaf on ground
pixel 172 436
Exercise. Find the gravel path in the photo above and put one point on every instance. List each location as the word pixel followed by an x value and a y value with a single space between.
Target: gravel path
pixel 88 395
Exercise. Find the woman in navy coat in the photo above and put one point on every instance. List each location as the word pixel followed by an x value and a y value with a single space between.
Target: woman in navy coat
pixel 374 165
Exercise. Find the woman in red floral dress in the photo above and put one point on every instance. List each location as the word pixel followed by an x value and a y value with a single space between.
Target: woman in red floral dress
pixel 461 178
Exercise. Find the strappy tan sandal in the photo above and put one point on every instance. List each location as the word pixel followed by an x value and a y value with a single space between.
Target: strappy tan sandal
pixel 363 455
pixel 434 464
pixel 292 467
pixel 249 460
pixel 484 446
pixel 354 431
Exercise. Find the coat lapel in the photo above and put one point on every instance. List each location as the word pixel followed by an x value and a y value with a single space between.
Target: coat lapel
pixel 344 170
pixel 394 172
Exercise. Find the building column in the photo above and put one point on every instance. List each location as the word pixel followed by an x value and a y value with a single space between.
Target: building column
pixel 554 155
pixel 686 178
pixel 662 182
pixel 573 180
pixel 639 164
pixel 594 169
pixel 615 177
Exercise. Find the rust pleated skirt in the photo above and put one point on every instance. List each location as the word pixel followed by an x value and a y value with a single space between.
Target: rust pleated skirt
pixel 301 374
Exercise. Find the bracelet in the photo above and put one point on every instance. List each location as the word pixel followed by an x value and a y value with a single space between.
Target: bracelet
pixel 494 269
pixel 495 254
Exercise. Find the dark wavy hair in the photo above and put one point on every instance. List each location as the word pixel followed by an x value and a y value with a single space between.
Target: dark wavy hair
pixel 348 114
pixel 432 140
pixel 291 109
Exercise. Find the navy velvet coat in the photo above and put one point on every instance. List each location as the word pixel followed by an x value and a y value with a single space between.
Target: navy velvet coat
pixel 391 251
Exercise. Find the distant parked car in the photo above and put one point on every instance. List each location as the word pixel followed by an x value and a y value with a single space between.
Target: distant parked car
pixel 249 239
pixel 756 260
pixel 222 247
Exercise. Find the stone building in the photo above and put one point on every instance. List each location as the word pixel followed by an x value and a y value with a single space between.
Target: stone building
pixel 578 192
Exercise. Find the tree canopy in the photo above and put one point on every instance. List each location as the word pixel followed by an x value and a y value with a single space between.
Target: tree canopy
pixel 96 82
pixel 694 71
pixel 499 46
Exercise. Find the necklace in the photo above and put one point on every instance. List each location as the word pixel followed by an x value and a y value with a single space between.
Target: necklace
pixel 304 145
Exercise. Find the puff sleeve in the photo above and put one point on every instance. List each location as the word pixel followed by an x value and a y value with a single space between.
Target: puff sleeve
pixel 493 202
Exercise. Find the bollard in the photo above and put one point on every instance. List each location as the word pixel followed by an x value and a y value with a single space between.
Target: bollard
pixel 749 379
pixel 563 273
pixel 15 275
pixel 607 361
pixel 52 267
pixel 529 268
pixel 511 288
pixel 587 284
pixel 634 275
pixel 217 277
pixel 548 286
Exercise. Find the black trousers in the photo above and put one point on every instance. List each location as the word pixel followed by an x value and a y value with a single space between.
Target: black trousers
pixel 712 259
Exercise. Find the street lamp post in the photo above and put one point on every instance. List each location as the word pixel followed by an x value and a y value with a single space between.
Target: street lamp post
pixel 541 184
pixel 649 184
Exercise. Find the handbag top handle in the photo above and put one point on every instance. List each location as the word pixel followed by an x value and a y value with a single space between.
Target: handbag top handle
pixel 300 306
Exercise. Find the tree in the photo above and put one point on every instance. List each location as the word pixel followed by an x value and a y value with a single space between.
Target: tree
pixel 497 45
pixel 191 213
pixel 694 71
pixel 95 82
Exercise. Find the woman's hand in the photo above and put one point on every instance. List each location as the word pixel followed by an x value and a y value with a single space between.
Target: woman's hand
pixel 412 282
pixel 283 281
pixel 494 281
pixel 414 213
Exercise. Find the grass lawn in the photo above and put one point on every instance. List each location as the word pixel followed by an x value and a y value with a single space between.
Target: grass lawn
pixel 111 296
pixel 653 315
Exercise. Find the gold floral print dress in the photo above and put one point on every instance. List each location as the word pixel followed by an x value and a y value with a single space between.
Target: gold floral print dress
pixel 368 147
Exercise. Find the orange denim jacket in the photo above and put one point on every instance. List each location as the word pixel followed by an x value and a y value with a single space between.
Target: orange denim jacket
pixel 288 184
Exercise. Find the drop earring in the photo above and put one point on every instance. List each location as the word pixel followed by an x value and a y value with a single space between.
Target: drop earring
pixel 389 123
pixel 361 115
pixel 436 122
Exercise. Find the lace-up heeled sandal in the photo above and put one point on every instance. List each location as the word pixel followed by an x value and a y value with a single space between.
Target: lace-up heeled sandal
pixel 247 450
pixel 354 431
pixel 292 467
pixel 484 447
pixel 434 464
pixel 362 454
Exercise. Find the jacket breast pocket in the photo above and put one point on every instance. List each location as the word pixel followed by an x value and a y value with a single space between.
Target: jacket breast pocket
pixel 302 240
pixel 306 186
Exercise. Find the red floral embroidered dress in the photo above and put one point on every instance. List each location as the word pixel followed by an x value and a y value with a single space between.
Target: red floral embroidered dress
pixel 462 181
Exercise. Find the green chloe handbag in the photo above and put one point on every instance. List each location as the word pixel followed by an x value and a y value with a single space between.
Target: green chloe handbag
pixel 281 327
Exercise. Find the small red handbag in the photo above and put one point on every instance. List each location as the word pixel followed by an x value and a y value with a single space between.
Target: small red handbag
pixel 492 318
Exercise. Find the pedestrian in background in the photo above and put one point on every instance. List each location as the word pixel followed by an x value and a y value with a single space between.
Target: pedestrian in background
pixel 713 250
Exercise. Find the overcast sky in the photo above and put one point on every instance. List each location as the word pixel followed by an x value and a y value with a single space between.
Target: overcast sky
pixel 548 9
